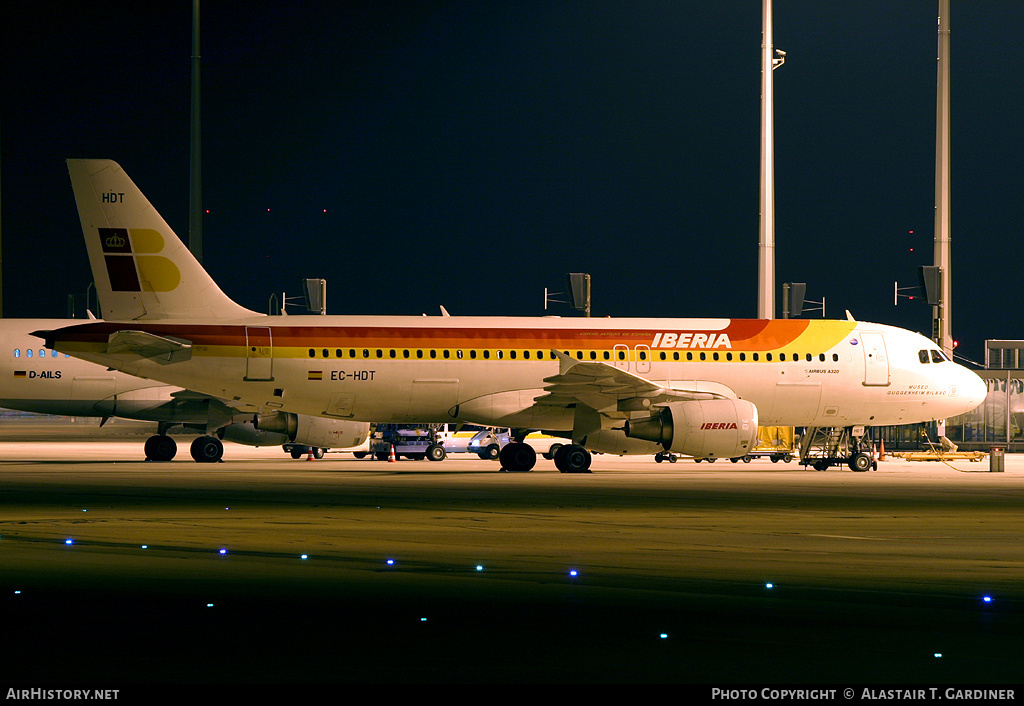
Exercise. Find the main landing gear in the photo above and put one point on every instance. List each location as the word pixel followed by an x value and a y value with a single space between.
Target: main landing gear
pixel 205 449
pixel 519 457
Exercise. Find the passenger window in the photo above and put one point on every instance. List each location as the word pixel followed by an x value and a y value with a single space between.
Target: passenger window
pixel 17 352
pixel 923 356
pixel 28 353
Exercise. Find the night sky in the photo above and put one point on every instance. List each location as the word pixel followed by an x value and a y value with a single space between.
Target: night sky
pixel 469 154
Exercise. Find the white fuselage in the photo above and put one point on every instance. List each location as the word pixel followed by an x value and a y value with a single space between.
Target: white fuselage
pixel 492 371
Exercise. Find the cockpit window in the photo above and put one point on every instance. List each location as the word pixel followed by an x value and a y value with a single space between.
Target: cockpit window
pixel 938 356
pixel 923 355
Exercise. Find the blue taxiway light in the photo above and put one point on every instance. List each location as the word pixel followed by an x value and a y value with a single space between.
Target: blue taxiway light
pixel 69 541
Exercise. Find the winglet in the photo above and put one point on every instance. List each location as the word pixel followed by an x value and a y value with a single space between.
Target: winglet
pixel 141 268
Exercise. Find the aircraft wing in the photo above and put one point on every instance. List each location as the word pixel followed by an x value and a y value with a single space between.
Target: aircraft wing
pixel 147 345
pixel 613 391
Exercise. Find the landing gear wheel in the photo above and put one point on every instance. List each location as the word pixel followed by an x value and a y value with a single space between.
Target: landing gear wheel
pixel 860 462
pixel 490 453
pixel 573 458
pixel 552 451
pixel 160 448
pixel 207 449
pixel 436 452
pixel 517 457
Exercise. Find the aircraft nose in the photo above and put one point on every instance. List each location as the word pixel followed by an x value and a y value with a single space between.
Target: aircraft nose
pixel 973 389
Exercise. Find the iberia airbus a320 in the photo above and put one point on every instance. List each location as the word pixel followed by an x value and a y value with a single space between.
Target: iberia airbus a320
pixel 698 387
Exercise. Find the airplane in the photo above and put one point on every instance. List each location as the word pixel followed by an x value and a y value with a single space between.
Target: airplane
pixel 696 387
pixel 33 379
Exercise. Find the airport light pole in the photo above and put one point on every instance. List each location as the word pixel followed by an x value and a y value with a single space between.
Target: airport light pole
pixel 195 219
pixel 766 246
pixel 941 312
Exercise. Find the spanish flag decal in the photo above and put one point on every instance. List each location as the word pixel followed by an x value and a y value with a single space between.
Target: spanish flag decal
pixel 316 375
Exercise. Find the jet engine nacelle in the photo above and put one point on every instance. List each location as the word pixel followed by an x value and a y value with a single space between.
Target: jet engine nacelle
pixel 314 431
pixel 247 433
pixel 701 428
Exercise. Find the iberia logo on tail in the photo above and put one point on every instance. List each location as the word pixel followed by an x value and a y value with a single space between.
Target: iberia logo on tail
pixel 132 262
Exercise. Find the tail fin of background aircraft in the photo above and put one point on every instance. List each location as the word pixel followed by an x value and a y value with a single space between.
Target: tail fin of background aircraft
pixel 142 269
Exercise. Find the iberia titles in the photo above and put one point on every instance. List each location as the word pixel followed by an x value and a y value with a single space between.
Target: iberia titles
pixel 691 340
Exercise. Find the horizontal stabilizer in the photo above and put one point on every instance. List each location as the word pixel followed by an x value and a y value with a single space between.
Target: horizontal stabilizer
pixel 149 346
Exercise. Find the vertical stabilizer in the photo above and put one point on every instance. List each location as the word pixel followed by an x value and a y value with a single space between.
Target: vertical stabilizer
pixel 141 268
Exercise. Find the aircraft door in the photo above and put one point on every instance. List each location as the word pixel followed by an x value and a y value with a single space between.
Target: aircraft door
pixel 258 353
pixel 876 362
